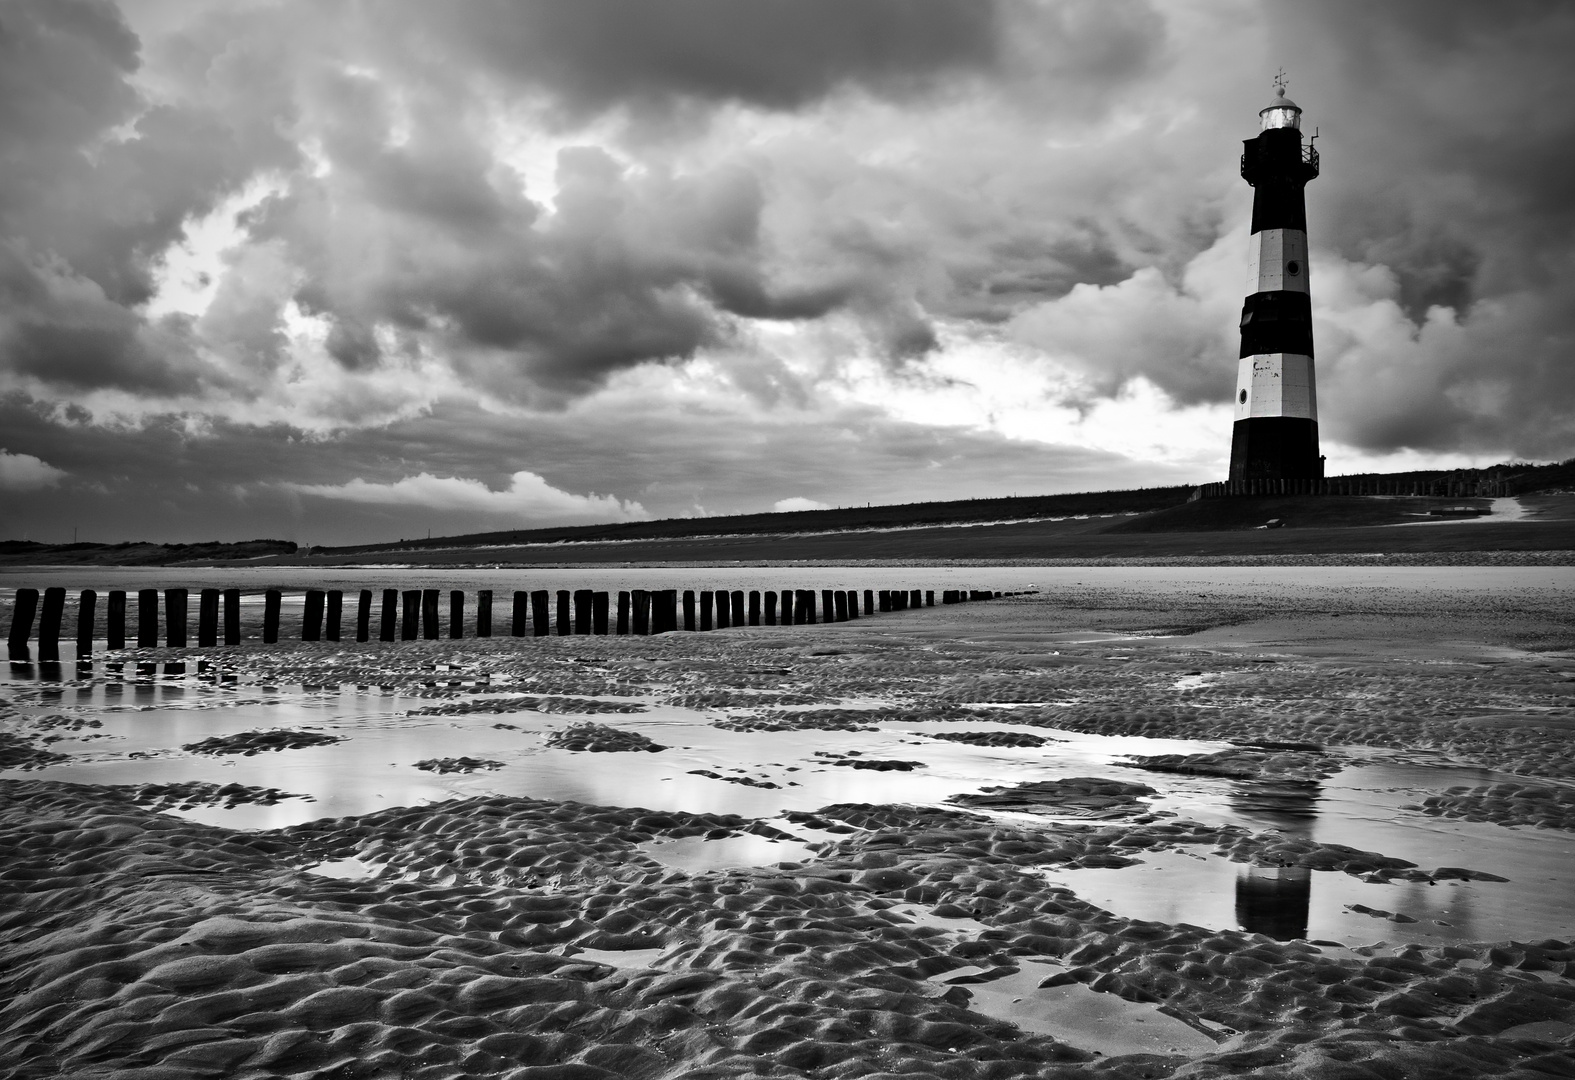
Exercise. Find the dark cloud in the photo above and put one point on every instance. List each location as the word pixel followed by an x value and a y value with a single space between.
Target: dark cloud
pixel 767 216
pixel 628 269
pixel 99 183
pixel 597 55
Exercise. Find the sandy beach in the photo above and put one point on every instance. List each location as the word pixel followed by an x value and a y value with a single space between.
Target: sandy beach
pixel 1184 822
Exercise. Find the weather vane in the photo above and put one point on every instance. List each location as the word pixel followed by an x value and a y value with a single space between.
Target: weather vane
pixel 1279 80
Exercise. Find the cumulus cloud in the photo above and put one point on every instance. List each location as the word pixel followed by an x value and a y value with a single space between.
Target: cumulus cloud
pixel 528 499
pixel 24 472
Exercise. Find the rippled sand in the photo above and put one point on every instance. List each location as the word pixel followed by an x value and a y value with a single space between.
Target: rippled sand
pixel 508 935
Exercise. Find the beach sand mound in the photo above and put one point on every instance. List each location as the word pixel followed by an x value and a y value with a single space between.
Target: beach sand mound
pixel 1085 796
pixel 1244 763
pixel 528 703
pixel 20 752
pixel 991 738
pixel 457 765
pixel 189 794
pixel 250 743
pixel 601 738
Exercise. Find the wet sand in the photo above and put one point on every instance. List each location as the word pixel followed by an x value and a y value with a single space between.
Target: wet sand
pixel 478 932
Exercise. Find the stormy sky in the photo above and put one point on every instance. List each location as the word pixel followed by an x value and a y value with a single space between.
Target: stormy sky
pixel 341 271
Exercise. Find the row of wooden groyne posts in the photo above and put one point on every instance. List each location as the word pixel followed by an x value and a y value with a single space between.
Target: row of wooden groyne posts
pixel 412 614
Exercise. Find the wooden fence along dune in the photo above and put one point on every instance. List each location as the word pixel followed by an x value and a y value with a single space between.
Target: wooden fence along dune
pixel 415 614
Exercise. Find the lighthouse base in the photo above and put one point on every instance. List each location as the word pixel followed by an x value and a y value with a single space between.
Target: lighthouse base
pixel 1275 448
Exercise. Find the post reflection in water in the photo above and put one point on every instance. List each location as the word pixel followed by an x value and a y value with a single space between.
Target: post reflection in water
pixel 1276 900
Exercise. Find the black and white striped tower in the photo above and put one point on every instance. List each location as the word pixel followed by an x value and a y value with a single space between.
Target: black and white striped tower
pixel 1276 431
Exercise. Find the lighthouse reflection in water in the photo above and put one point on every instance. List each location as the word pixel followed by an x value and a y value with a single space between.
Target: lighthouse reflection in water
pixel 1275 900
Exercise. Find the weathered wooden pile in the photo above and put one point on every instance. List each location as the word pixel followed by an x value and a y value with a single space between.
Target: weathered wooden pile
pixel 412 614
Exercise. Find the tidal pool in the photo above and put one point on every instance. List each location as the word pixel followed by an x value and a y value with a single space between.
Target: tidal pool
pixel 145 714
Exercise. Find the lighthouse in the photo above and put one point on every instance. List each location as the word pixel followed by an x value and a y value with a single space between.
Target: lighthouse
pixel 1275 436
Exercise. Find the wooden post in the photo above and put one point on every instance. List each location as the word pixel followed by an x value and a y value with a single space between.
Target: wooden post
pixel 565 624
pixel 623 611
pixel 754 607
pixel 929 597
pixel 853 603
pixel 599 613
pixel 230 601
pixel 640 610
pixel 540 616
pixel 583 601
pixel 175 618
pixel 739 617
pixel 689 609
pixel 520 615
pixel 803 607
pixel 87 609
pixel 335 614
pixel 115 620
pixel 207 618
pixel 840 605
pixel 915 599
pixel 456 614
pixel 885 600
pixel 429 614
pixel 49 620
pixel 771 607
pixel 22 616
pixel 724 609
pixel 312 616
pixel 828 606
pixel 147 618
pixel 483 612
pixel 410 615
pixel 271 603
pixel 705 609
pixel 363 616
pixel 869 601
pixel 389 617
pixel 669 611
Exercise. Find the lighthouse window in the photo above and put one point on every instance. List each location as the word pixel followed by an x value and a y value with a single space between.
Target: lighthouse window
pixel 1281 118
pixel 1243 397
pixel 1293 268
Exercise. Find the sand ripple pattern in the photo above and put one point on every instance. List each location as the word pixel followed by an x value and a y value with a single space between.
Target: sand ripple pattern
pixel 136 944
pixel 1540 805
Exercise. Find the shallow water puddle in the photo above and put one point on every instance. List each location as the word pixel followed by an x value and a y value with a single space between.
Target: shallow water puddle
pixel 696 854
pixel 148 712
pixel 1073 1013
pixel 1084 1018
pixel 349 868
pixel 618 958
pixel 1291 903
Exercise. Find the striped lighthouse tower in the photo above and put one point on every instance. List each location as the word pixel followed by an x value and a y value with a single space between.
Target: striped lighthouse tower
pixel 1276 432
